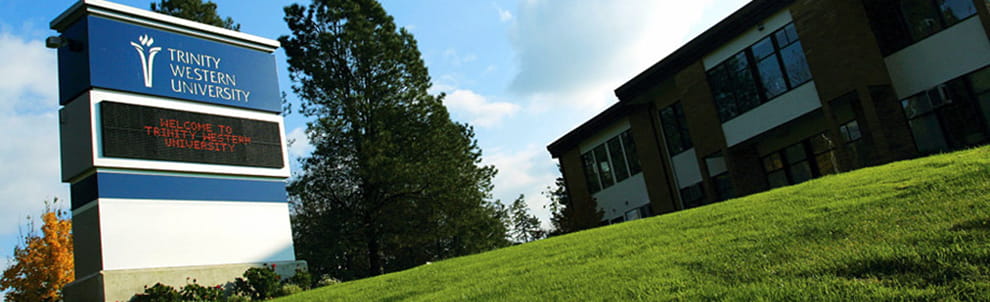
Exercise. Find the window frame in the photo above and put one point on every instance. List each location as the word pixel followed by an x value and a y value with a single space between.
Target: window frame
pixel 722 72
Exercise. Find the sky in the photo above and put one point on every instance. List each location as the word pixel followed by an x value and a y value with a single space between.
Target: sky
pixel 522 72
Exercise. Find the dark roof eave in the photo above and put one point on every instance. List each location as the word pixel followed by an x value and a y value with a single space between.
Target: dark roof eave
pixel 725 30
pixel 574 137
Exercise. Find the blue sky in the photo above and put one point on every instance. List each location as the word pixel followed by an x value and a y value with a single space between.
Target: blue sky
pixel 522 72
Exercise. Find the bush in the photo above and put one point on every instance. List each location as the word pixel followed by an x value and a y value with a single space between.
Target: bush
pixel 326 280
pixel 158 293
pixel 196 292
pixel 303 279
pixel 238 298
pixel 258 283
pixel 289 289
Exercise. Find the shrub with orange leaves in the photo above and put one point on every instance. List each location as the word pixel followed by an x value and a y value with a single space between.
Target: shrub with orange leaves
pixel 43 264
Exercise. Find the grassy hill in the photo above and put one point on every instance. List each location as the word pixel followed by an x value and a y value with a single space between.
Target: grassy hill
pixel 912 230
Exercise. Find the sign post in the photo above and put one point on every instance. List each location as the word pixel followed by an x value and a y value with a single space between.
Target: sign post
pixel 174 146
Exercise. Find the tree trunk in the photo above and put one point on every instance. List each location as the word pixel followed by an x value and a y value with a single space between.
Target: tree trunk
pixel 374 255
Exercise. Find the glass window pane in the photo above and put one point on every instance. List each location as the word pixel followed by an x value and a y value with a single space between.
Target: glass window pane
pixel 852 131
pixel 633 214
pixel 954 11
pixel 984 100
pixel 716 164
pixel 631 157
pixel 820 143
pixel 921 18
pixel 671 130
pixel 795 153
pixel 590 172
pixel 771 77
pixel 980 80
pixel 795 64
pixel 604 168
pixel 800 172
pixel 826 163
pixel 928 134
pixel 787 35
pixel 777 179
pixel 763 48
pixel 618 159
pixel 963 125
pixel 773 162
pixel 916 105
pixel 692 196
pixel 723 187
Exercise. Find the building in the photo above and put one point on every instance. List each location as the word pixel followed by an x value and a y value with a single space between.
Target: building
pixel 783 91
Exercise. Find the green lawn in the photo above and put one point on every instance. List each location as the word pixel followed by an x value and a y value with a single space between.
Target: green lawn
pixel 912 230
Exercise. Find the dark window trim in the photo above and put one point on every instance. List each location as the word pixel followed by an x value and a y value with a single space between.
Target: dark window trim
pixel 754 71
pixel 970 98
pixel 886 52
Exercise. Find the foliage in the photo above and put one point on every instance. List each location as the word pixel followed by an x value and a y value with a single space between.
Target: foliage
pixel 195 10
pixel 196 292
pixel 289 289
pixel 302 278
pixel 258 283
pixel 159 293
pixel 524 226
pixel 326 280
pixel 567 217
pixel 392 183
pixel 44 263
pixel 907 231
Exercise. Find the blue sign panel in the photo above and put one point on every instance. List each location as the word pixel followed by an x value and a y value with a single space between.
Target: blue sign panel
pixel 134 58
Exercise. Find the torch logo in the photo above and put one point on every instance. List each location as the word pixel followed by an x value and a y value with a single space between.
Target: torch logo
pixel 146 59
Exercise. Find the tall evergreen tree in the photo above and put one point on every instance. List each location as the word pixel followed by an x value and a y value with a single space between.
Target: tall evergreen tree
pixel 524 226
pixel 567 217
pixel 392 182
pixel 195 10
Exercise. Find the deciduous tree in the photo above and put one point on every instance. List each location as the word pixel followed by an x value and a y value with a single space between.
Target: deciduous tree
pixel 44 263
pixel 195 10
pixel 392 182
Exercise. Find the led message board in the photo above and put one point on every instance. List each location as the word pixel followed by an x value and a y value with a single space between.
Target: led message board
pixel 141 132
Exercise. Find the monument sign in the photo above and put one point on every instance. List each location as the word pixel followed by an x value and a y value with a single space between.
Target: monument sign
pixel 173 143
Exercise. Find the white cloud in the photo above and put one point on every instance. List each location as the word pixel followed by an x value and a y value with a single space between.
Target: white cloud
pixel 299 145
pixel 503 15
pixel 28 116
pixel 477 109
pixel 528 171
pixel 457 59
pixel 576 54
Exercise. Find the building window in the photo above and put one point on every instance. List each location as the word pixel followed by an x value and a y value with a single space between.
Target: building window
pixel 610 163
pixel 897 24
pixel 637 213
pixel 808 159
pixel 590 172
pixel 950 116
pixel 719 175
pixel 618 158
pixel 693 196
pixel 631 156
pixel 769 68
pixel 675 129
